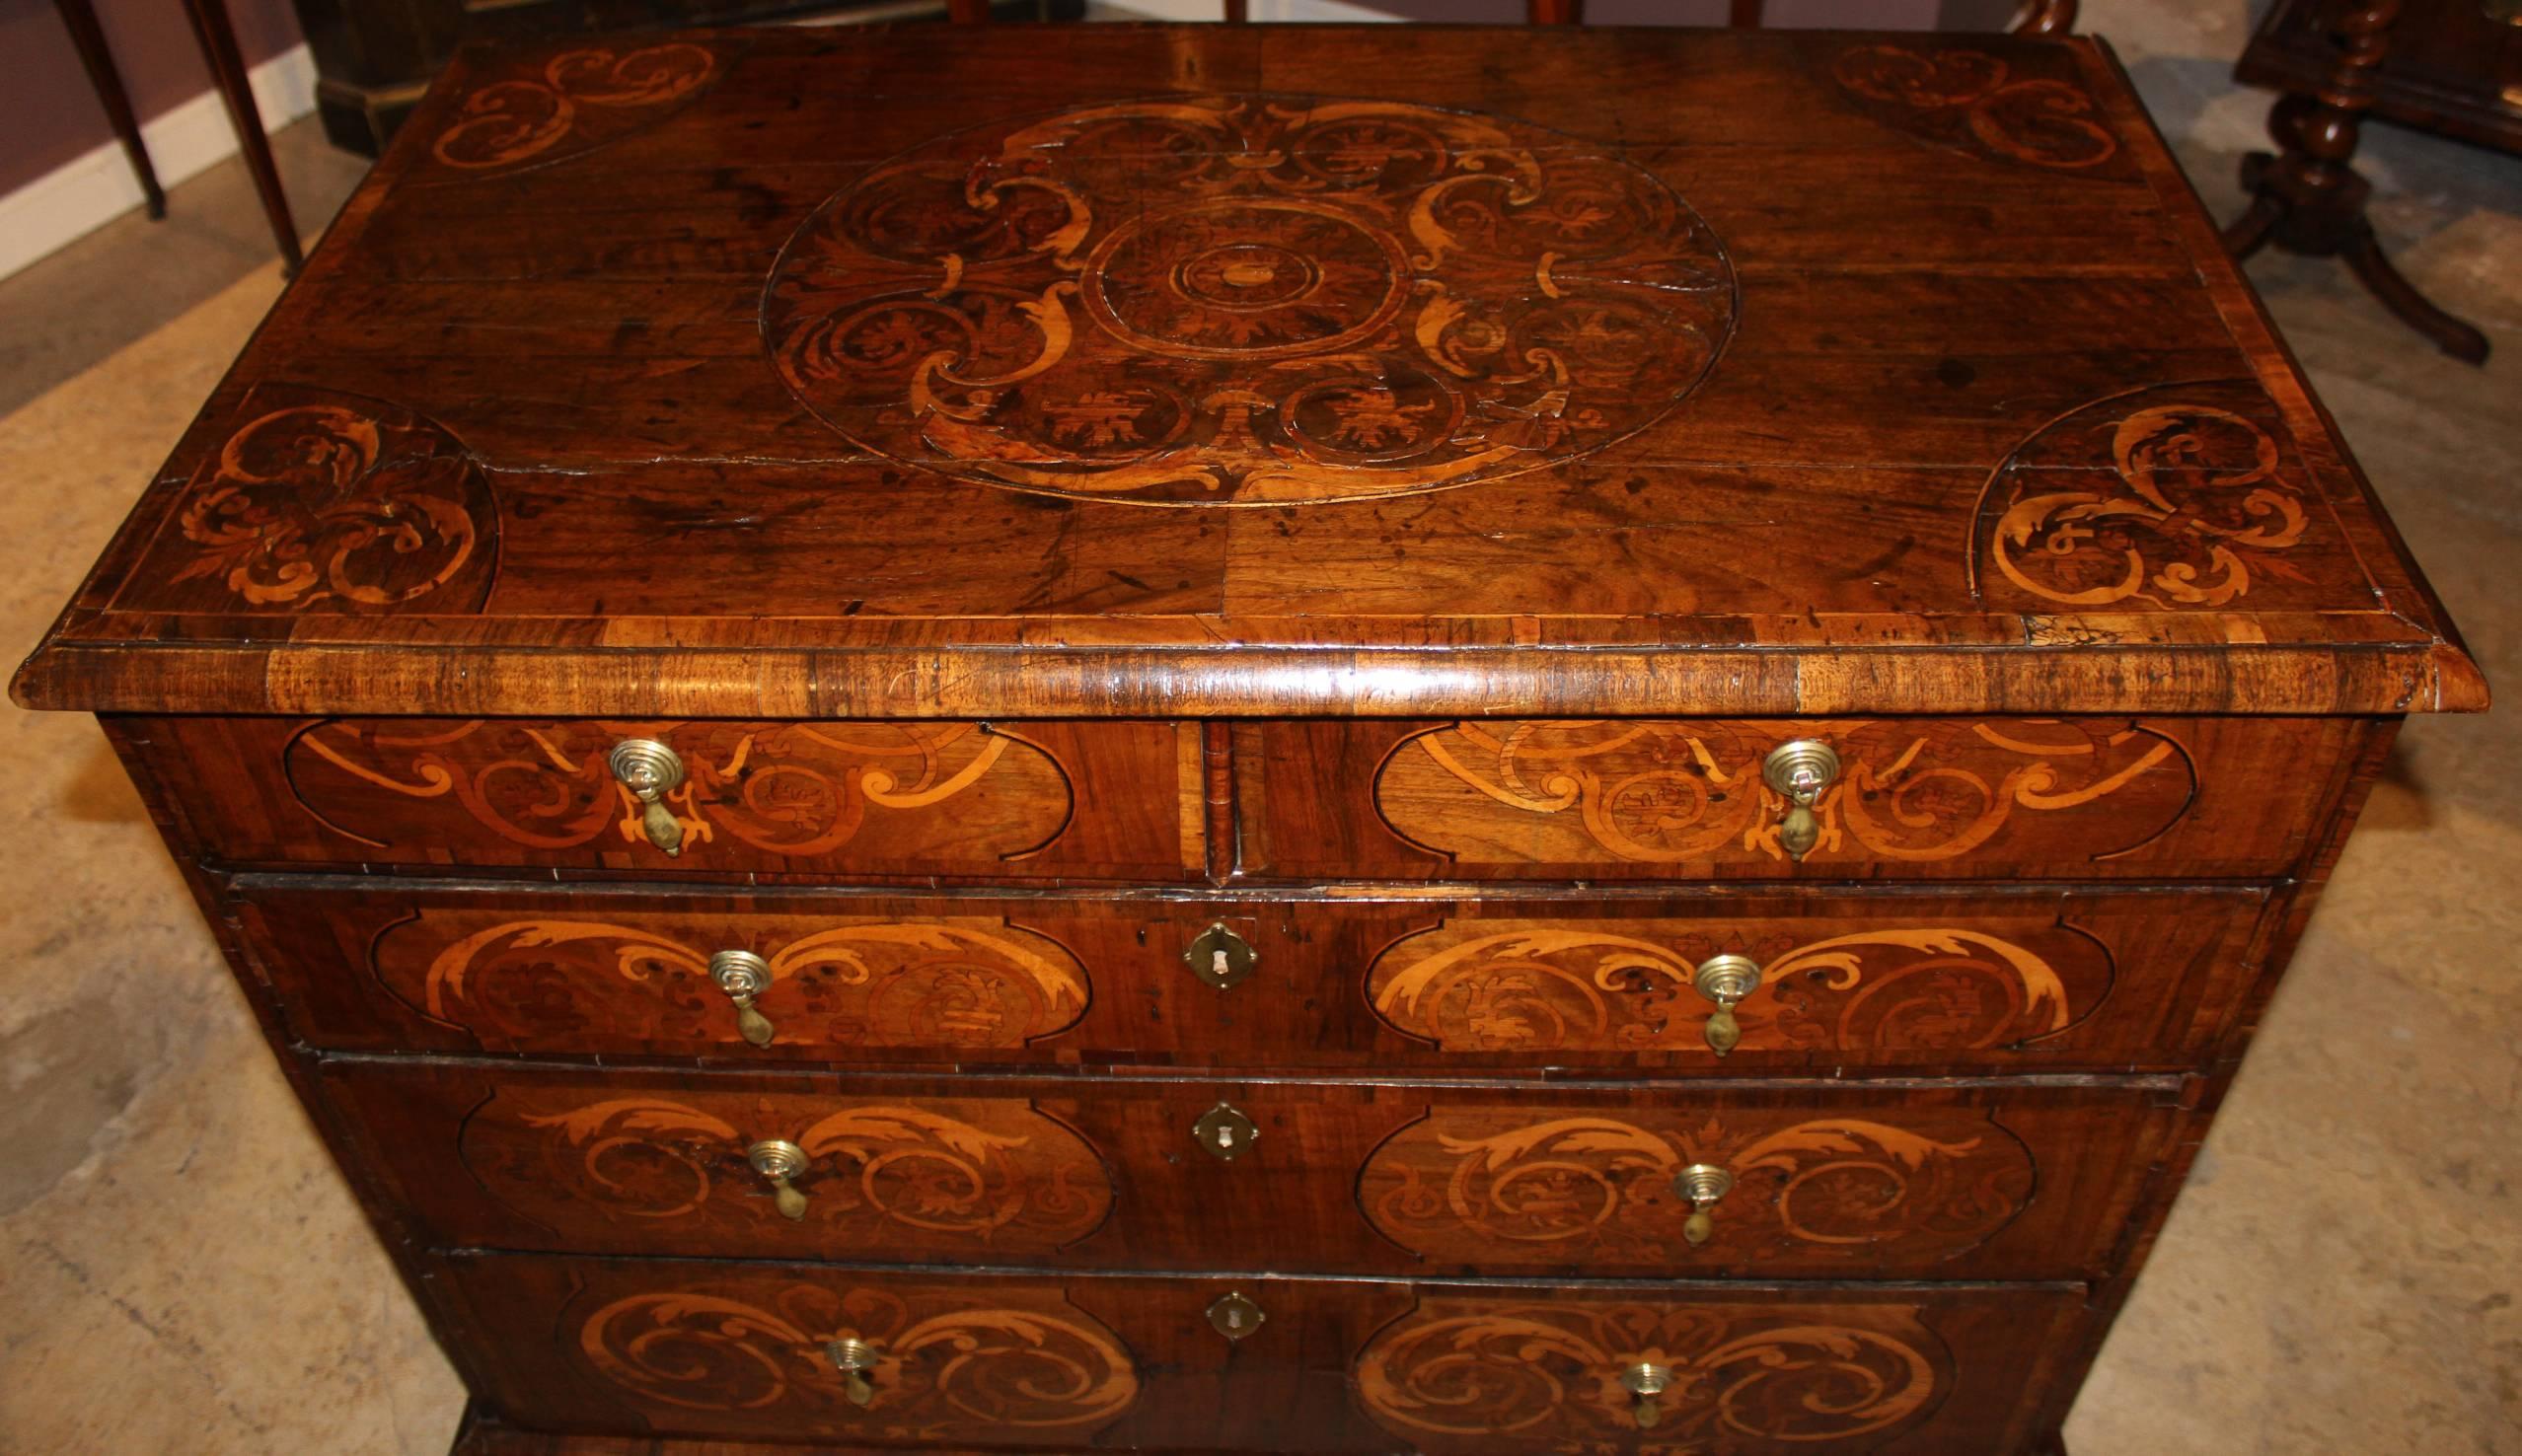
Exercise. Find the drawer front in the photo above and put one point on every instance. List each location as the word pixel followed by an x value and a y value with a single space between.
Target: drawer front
pixel 1682 799
pixel 909 799
pixel 1136 1364
pixel 2001 1183
pixel 2010 980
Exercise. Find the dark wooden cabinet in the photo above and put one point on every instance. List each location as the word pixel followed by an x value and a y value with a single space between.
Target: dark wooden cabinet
pixel 1225 740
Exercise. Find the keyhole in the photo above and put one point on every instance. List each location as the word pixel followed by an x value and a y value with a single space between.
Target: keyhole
pixel 1234 1317
pixel 1226 1138
pixel 1217 964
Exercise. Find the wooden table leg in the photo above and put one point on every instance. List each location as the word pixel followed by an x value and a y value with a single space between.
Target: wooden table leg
pixel 218 37
pixel 2307 199
pixel 89 38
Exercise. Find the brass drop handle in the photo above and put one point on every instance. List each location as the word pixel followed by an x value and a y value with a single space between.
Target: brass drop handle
pixel 1647 1381
pixel 780 1160
pixel 744 975
pixel 651 771
pixel 1703 1184
pixel 1800 772
pixel 854 1358
pixel 1726 980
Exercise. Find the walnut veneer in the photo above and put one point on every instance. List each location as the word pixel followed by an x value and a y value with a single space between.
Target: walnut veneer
pixel 1202 616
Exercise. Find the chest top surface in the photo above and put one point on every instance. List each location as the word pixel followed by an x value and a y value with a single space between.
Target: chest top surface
pixel 1278 368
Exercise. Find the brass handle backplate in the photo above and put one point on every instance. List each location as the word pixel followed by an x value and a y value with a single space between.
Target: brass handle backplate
pixel 854 1358
pixel 1225 1133
pixel 744 977
pixel 780 1160
pixel 1703 1185
pixel 1726 980
pixel 1800 772
pixel 1221 957
pixel 651 771
pixel 1647 1381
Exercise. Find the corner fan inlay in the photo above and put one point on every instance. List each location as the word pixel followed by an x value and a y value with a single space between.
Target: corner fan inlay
pixel 1247 298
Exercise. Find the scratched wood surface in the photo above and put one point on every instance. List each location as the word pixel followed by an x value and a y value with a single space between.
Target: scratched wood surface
pixel 1225 370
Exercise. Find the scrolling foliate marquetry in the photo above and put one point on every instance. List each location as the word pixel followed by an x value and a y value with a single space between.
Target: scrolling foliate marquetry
pixel 541 982
pixel 2177 497
pixel 1248 300
pixel 790 790
pixel 1489 1185
pixel 1618 986
pixel 1684 791
pixel 961 1178
pixel 572 103
pixel 1975 103
pixel 956 1363
pixel 324 502
pixel 1475 1376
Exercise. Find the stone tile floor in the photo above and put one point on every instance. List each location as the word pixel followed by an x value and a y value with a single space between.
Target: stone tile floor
pixel 180 1270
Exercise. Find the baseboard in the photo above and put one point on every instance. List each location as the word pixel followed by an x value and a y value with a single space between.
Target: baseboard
pixel 1262 10
pixel 87 192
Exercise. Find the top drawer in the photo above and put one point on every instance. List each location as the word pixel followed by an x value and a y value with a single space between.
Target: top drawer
pixel 1688 798
pixel 899 800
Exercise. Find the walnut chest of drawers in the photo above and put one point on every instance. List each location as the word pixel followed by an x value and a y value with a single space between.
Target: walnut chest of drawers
pixel 1263 741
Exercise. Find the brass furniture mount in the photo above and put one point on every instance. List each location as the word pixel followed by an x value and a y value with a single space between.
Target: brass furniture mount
pixel 778 1160
pixel 1221 957
pixel 1703 1184
pixel 1224 1132
pixel 1647 1381
pixel 744 975
pixel 1726 980
pixel 854 1358
pixel 1234 1316
pixel 1800 772
pixel 651 771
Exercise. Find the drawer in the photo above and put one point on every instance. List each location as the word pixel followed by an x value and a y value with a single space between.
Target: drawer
pixel 1085 1362
pixel 2018 980
pixel 1924 1181
pixel 1116 800
pixel 1686 798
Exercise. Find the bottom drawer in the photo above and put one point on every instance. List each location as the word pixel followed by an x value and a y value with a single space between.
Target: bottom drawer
pixel 1254 1364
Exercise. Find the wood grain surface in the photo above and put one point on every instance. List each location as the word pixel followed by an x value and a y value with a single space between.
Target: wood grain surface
pixel 1232 370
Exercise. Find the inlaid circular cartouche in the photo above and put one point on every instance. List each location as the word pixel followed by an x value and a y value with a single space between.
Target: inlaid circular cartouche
pixel 1248 300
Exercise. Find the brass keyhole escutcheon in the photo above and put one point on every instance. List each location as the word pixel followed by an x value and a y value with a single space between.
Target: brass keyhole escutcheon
pixel 1704 1185
pixel 1647 1381
pixel 855 1360
pixel 1221 957
pixel 651 771
pixel 1234 1316
pixel 1800 772
pixel 778 1160
pixel 1224 1132
pixel 1724 979
pixel 744 975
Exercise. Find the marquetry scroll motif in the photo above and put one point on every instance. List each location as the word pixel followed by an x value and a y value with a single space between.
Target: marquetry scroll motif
pixel 546 983
pixel 2177 497
pixel 1624 986
pixel 961 792
pixel 1969 101
pixel 962 1178
pixel 574 102
pixel 1907 1188
pixel 324 502
pixel 1689 792
pixel 1474 1376
pixel 957 1362
pixel 1248 300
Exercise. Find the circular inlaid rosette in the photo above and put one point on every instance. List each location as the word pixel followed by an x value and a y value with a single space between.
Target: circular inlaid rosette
pixel 1248 300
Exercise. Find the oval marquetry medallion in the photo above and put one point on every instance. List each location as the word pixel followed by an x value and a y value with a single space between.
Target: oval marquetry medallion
pixel 521 983
pixel 1689 792
pixel 954 1363
pixel 1481 1376
pixel 1911 1186
pixel 938 1177
pixel 1624 986
pixel 1248 300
